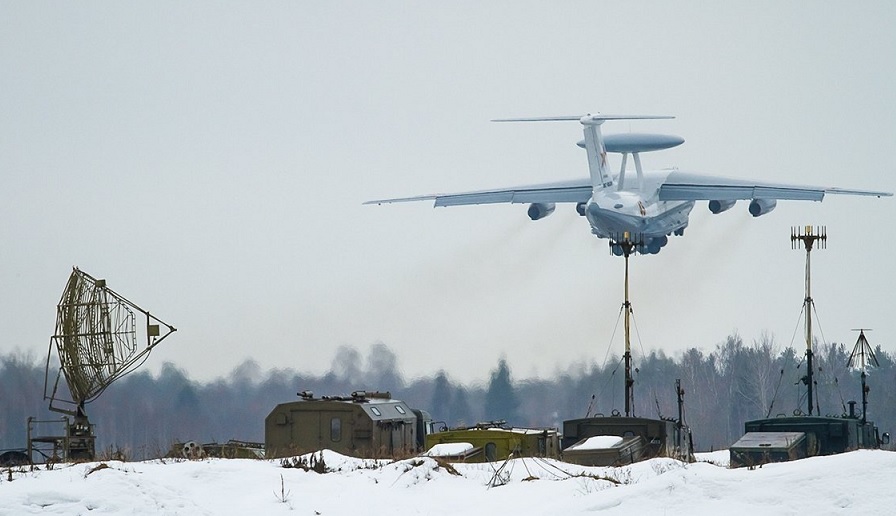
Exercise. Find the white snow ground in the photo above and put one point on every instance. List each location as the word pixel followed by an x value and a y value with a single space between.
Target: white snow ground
pixel 858 482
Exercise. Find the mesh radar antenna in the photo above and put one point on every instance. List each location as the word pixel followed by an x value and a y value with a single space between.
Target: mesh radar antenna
pixel 97 342
pixel 625 246
pixel 809 237
pixel 862 357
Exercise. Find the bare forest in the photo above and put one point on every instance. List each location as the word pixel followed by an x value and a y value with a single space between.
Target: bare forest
pixel 143 414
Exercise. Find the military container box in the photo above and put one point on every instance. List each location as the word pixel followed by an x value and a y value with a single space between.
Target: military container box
pixel 756 448
pixel 643 438
pixel 365 424
pixel 605 450
pixel 824 435
pixel 492 441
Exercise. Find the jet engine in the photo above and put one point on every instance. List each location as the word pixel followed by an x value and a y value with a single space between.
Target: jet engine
pixel 654 245
pixel 717 207
pixel 540 210
pixel 762 206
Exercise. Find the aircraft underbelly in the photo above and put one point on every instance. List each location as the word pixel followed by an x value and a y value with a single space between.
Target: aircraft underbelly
pixel 608 223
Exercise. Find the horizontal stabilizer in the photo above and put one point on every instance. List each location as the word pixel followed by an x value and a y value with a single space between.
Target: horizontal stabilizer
pixel 587 119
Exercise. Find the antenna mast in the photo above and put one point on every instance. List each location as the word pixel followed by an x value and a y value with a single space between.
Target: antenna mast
pixel 808 236
pixel 861 357
pixel 625 247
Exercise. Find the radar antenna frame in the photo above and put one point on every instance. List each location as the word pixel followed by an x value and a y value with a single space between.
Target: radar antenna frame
pixel 862 357
pixel 96 342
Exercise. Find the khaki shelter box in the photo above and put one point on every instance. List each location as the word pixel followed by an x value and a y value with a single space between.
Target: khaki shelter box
pixel 365 424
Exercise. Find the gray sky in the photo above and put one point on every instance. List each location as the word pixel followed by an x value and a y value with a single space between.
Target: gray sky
pixel 210 159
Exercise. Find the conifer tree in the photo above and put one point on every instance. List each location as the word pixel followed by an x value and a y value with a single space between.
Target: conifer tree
pixel 501 400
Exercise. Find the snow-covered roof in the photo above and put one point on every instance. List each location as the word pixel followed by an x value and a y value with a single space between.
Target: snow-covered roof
pixel 768 440
pixel 449 449
pixel 598 442
pixel 525 431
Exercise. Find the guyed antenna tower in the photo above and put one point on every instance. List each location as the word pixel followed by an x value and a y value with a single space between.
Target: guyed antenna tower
pixel 625 246
pixel 809 237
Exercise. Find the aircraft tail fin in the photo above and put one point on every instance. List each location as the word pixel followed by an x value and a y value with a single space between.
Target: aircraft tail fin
pixel 594 143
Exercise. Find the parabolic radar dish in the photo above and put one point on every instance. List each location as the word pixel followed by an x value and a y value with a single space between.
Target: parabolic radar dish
pixel 97 339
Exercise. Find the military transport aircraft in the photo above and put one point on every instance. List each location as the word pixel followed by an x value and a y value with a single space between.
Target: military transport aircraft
pixel 653 205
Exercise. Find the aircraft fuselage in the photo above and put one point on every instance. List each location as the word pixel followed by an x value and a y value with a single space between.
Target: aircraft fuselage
pixel 612 212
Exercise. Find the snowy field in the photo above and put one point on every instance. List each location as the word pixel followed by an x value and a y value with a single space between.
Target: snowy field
pixel 859 482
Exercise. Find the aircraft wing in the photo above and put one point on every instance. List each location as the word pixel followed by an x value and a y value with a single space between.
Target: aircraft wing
pixel 578 190
pixel 686 186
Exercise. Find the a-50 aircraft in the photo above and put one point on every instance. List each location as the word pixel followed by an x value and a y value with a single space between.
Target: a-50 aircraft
pixel 653 206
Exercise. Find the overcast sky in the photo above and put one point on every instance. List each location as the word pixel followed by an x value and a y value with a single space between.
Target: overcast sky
pixel 210 160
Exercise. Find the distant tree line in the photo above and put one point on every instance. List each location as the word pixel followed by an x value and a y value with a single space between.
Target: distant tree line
pixel 143 414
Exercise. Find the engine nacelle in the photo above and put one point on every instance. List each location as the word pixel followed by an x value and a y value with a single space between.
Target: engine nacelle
pixel 762 206
pixel 717 207
pixel 653 245
pixel 540 210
